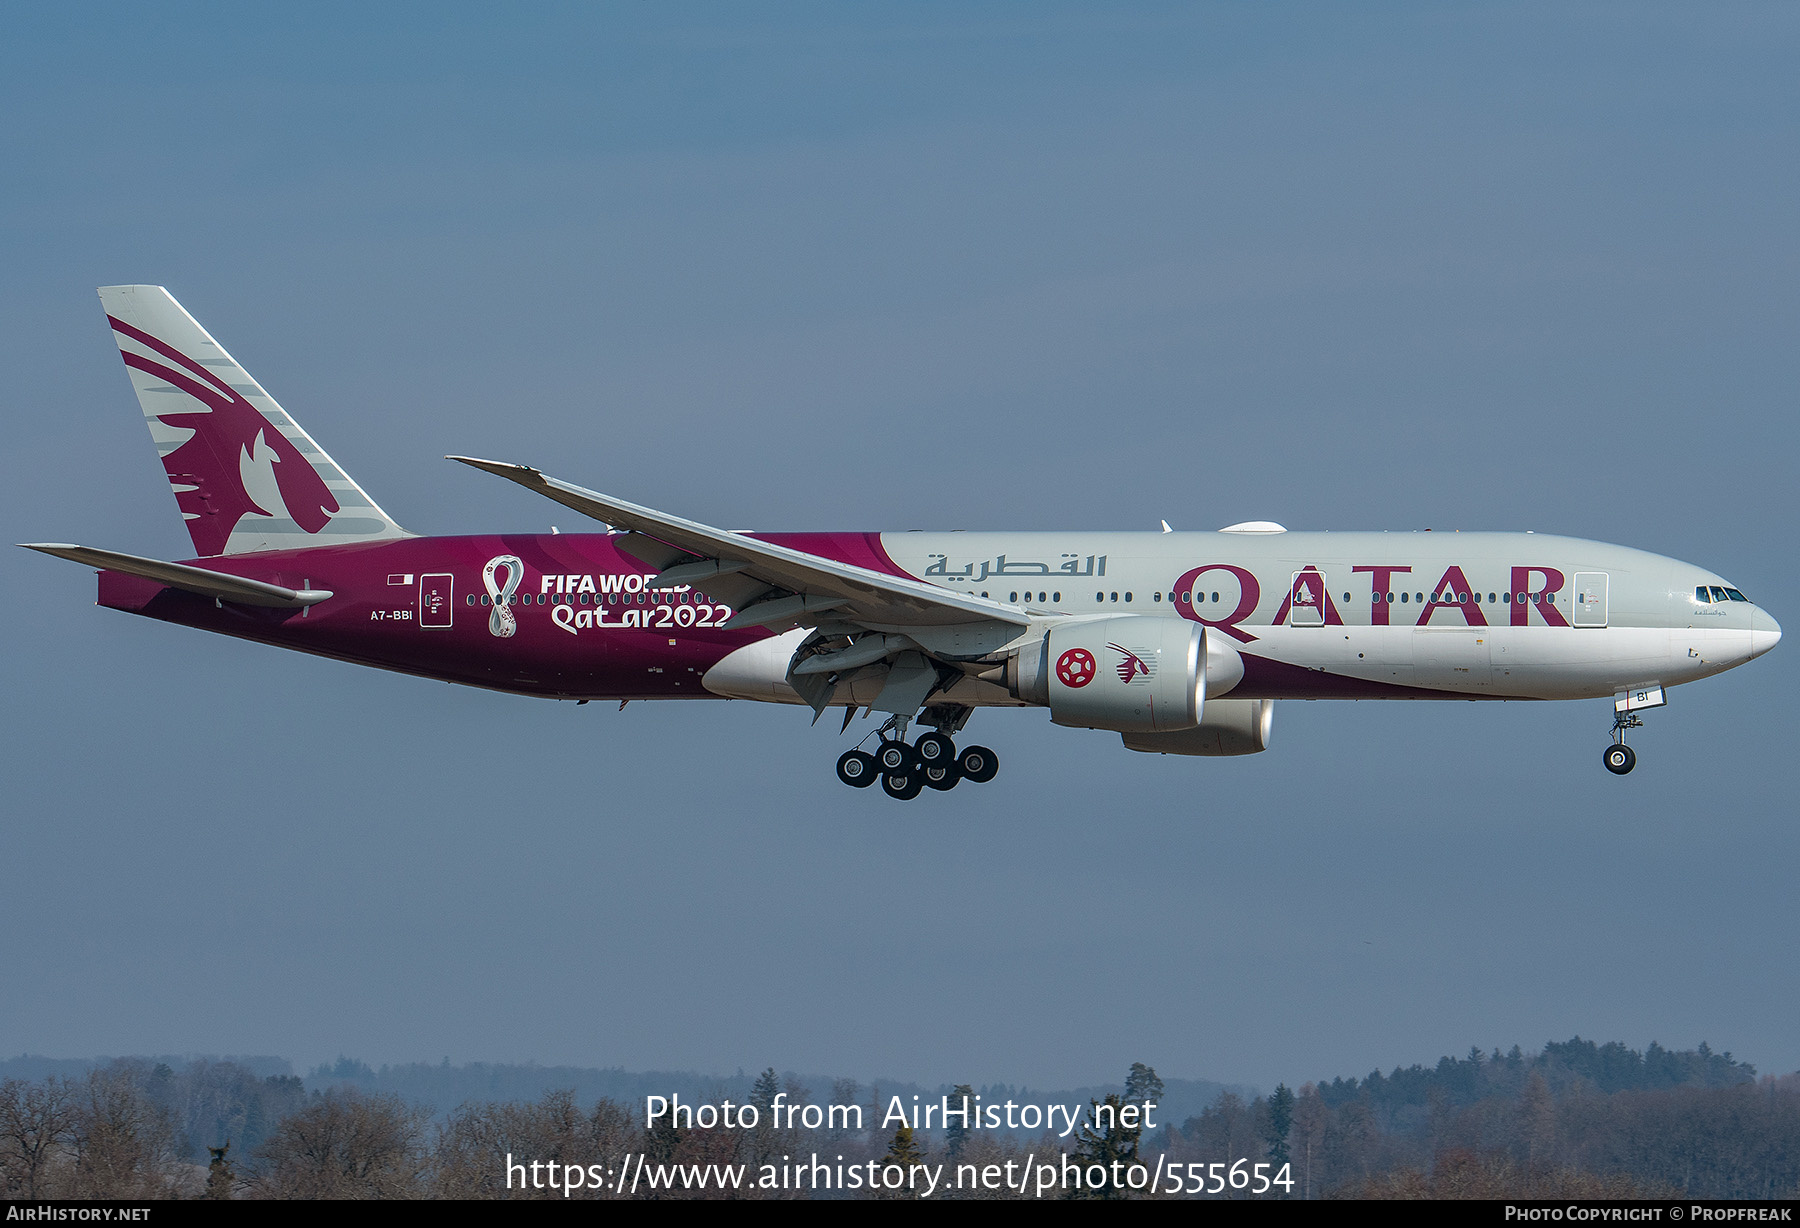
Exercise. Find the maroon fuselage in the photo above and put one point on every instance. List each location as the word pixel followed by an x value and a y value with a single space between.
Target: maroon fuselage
pixel 421 605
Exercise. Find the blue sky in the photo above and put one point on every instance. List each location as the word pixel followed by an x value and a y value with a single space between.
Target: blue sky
pixel 1398 266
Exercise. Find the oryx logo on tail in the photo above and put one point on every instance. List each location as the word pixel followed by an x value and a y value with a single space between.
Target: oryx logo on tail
pixel 231 441
pixel 245 476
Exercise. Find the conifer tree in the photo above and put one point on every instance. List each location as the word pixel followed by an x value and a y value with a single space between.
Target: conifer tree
pixel 1142 1086
pixel 903 1149
pixel 1281 1119
pixel 219 1177
pixel 662 1139
pixel 956 1132
pixel 1115 1143
pixel 763 1094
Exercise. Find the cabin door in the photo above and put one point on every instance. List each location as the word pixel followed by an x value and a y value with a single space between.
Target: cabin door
pixel 1590 598
pixel 1306 600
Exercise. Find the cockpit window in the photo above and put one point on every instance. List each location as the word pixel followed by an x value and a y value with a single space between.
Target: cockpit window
pixel 1701 595
pixel 1719 594
pixel 1735 595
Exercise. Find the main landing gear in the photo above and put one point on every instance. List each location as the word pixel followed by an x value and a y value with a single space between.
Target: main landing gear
pixel 905 771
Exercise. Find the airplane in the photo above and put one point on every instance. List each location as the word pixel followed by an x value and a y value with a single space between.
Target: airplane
pixel 1180 642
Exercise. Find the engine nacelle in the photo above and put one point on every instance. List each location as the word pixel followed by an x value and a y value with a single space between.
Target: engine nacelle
pixel 1227 727
pixel 1132 674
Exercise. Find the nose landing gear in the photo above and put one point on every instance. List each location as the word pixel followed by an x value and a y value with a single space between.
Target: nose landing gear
pixel 905 771
pixel 1620 758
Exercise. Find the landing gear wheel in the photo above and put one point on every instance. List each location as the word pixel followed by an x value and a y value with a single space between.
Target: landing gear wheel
pixel 1620 758
pixel 896 758
pixel 941 776
pixel 857 769
pixel 978 764
pixel 902 788
pixel 935 748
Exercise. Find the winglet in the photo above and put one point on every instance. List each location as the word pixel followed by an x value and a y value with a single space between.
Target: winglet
pixel 503 468
pixel 529 478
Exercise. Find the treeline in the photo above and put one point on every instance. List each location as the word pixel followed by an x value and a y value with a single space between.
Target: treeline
pixel 1693 1122
pixel 444 1086
pixel 1575 1120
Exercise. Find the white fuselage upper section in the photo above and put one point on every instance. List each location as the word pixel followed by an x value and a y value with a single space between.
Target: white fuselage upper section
pixel 1368 615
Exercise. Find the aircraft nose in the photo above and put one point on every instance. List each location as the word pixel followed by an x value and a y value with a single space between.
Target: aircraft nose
pixel 1765 633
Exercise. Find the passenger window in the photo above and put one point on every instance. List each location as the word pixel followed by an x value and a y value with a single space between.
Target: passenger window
pixel 1128 596
pixel 1156 597
pixel 1115 596
pixel 1215 596
pixel 1186 598
pixel 1403 597
pixel 1013 597
pixel 1056 596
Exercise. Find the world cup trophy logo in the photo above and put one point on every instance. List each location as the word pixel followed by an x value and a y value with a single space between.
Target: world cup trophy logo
pixel 502 622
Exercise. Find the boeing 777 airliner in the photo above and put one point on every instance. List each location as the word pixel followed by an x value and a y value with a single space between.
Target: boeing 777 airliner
pixel 1181 642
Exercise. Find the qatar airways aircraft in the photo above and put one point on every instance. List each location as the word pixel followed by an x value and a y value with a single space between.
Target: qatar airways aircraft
pixel 1181 642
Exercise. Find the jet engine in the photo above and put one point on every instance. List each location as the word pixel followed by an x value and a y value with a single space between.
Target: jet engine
pixel 1131 674
pixel 1227 727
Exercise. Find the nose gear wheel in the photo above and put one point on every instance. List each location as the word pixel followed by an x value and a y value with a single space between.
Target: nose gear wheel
pixel 1620 758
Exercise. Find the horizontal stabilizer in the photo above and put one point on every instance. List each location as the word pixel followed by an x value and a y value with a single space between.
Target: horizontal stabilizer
pixel 199 580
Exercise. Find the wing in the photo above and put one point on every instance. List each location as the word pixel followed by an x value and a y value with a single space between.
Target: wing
pixel 798 584
pixel 884 617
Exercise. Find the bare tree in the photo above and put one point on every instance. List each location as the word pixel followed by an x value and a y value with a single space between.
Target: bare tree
pixel 35 1120
pixel 473 1147
pixel 345 1144
pixel 124 1143
pixel 1310 1119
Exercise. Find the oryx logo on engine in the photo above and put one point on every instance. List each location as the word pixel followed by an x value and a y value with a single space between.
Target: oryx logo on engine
pixel 1133 665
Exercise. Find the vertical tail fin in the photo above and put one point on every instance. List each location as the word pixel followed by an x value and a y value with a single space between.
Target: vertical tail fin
pixel 246 477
